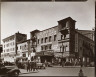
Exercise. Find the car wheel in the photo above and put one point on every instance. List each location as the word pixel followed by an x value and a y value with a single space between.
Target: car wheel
pixel 16 73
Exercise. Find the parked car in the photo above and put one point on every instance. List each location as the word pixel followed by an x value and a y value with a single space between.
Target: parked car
pixel 9 71
pixel 50 64
pixel 41 65
pixel 68 64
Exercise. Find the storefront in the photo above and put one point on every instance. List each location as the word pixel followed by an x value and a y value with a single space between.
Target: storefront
pixel 45 56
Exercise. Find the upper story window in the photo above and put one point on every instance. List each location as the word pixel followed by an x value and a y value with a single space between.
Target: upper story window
pixel 42 40
pixel 20 47
pixel 55 37
pixel 13 43
pixel 61 37
pixel 41 47
pixel 50 46
pixel 13 49
pixel 38 41
pixel 46 39
pixel 50 38
pixel 17 48
pixel 46 47
pixel 4 46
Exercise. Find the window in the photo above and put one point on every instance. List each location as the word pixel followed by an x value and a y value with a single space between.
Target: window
pixel 49 38
pixel 42 40
pixel 38 41
pixel 13 49
pixel 46 39
pixel 55 37
pixel 50 46
pixel 46 47
pixel 17 48
pixel 25 45
pixel 61 37
pixel 20 47
pixel 24 55
pixel 13 43
pixel 41 47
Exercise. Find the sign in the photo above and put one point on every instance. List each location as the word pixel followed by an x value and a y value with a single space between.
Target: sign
pixel 44 54
pixel 48 53
pixel 39 53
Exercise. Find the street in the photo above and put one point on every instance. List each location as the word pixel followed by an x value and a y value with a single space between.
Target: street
pixel 60 71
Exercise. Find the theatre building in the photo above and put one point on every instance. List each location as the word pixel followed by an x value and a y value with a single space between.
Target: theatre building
pixel 56 42
pixel 10 46
pixel 60 42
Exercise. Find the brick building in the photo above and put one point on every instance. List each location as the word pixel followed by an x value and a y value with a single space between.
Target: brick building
pixel 61 42
pixel 10 46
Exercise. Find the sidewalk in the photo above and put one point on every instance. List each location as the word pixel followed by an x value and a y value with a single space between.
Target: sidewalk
pixel 24 71
pixel 58 66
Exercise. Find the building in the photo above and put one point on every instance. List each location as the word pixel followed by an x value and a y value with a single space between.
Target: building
pixel 24 51
pixel 10 46
pixel 84 48
pixel 60 42
pixel 88 33
pixel 56 44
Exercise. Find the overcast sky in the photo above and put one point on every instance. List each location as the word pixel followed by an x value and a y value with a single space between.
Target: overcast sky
pixel 27 16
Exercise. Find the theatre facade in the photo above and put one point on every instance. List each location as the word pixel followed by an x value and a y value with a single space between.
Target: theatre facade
pixel 56 42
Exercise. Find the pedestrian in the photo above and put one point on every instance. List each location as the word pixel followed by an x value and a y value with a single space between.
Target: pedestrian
pixel 31 65
pixel 81 73
pixel 35 67
pixel 28 66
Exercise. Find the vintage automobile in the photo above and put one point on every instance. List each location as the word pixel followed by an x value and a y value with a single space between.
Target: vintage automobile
pixel 41 65
pixel 9 71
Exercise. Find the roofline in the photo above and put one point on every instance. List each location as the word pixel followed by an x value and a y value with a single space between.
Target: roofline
pixel 47 29
pixel 84 36
pixel 85 30
pixel 13 35
pixel 23 41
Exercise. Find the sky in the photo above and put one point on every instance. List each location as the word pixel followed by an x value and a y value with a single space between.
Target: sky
pixel 28 16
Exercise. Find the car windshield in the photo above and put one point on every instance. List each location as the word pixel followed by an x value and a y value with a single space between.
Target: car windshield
pixel 10 67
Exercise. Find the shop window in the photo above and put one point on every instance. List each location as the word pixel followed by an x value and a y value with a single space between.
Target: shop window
pixel 55 37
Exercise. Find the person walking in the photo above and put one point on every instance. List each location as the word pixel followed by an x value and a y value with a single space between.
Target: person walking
pixel 28 66
pixel 35 67
pixel 32 65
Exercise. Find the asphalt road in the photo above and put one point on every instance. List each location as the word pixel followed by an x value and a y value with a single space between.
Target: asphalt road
pixel 59 71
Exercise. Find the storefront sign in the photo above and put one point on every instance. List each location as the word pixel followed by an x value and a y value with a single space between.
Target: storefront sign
pixel 48 53
pixel 44 53
pixel 39 53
